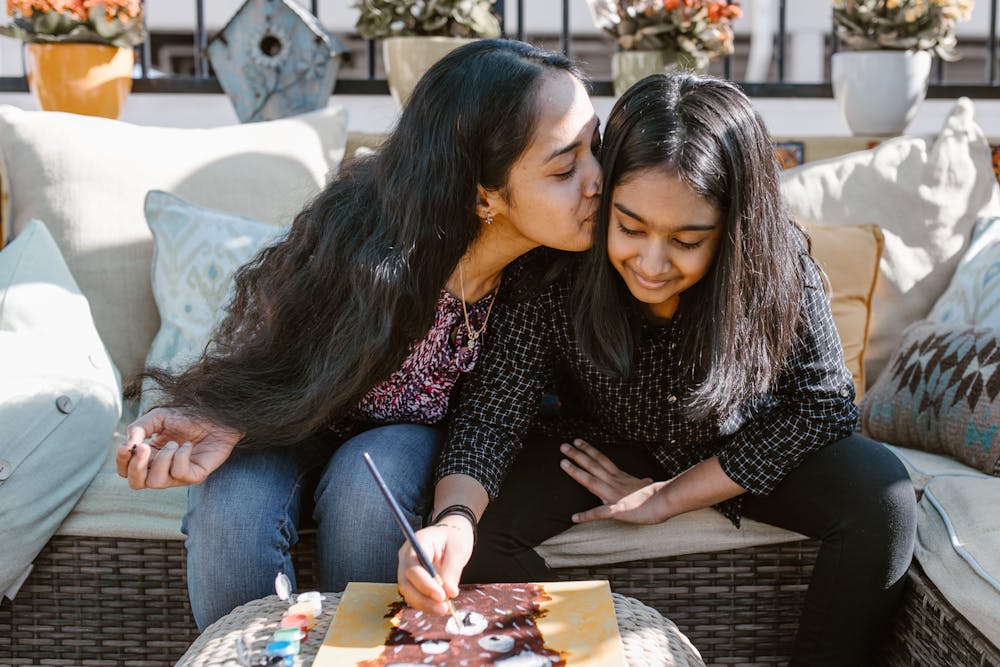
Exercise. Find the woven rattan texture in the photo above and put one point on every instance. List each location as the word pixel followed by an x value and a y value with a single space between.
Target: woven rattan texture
pixel 101 601
pixel 648 639
pixel 738 607
pixel 80 605
pixel 929 632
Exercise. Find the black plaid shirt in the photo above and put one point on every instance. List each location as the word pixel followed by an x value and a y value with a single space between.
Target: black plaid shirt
pixel 530 348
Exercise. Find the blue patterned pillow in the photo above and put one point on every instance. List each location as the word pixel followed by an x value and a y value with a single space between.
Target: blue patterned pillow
pixel 196 253
pixel 941 394
pixel 973 296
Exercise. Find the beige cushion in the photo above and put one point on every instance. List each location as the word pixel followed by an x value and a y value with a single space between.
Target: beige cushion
pixel 958 545
pixel 86 178
pixel 701 531
pixel 924 194
pixel 60 397
pixel 849 256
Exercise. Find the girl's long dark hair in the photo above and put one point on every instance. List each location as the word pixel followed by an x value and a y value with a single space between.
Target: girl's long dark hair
pixel 740 319
pixel 319 318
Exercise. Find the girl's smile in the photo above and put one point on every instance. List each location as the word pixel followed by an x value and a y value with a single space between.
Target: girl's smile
pixel 662 238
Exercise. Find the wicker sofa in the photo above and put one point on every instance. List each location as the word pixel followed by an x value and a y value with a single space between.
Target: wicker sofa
pixel 109 586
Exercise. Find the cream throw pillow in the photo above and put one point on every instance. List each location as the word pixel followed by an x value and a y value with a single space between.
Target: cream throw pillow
pixel 60 398
pixel 87 177
pixel 197 252
pixel 924 194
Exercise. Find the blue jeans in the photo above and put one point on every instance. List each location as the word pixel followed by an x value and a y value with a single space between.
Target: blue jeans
pixel 242 520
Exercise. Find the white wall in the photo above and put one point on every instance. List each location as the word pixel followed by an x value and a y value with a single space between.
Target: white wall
pixel 376 113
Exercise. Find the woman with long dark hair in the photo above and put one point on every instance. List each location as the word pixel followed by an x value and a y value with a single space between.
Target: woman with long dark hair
pixel 349 333
pixel 696 363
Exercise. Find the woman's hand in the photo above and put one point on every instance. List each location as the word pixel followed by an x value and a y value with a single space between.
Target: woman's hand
pixel 448 544
pixel 595 472
pixel 182 449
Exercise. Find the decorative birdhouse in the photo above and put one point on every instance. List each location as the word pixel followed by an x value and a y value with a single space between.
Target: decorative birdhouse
pixel 274 59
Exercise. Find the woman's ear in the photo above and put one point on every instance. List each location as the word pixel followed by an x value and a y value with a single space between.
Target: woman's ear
pixel 487 203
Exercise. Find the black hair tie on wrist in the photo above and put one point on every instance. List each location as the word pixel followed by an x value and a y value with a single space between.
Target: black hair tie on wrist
pixel 462 510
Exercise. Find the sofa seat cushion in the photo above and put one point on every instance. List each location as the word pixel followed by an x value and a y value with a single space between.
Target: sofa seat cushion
pixel 701 531
pixel 87 177
pixel 923 466
pixel 109 508
pixel 958 546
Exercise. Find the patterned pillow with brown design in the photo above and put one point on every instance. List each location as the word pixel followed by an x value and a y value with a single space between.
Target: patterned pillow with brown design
pixel 941 394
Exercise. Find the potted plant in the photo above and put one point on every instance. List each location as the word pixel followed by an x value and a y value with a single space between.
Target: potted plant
pixel 417 33
pixel 881 77
pixel 80 52
pixel 660 35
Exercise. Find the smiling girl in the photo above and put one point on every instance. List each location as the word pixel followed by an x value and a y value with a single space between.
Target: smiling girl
pixel 697 364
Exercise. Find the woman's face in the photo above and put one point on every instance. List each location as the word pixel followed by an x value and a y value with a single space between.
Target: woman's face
pixel 553 186
pixel 662 237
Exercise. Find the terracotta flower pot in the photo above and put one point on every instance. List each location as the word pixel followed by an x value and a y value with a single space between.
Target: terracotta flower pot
pixel 407 58
pixel 90 79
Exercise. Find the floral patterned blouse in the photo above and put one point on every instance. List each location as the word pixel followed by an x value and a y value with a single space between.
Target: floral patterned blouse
pixel 418 392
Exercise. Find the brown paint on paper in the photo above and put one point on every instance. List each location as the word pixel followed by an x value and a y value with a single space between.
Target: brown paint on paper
pixel 524 625
pixel 501 622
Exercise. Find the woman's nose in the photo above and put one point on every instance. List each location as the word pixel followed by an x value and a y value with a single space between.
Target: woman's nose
pixel 594 178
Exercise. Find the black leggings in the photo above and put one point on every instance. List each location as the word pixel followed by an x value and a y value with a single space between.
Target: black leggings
pixel 853 494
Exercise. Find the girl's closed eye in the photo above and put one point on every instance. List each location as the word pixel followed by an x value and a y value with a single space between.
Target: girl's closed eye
pixel 628 232
pixel 689 246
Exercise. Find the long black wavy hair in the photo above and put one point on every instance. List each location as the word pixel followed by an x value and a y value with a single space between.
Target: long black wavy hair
pixel 322 316
pixel 739 321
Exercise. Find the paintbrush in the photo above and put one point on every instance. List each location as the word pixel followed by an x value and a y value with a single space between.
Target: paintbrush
pixel 404 525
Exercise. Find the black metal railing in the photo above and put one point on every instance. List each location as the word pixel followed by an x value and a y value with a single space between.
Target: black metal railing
pixel 203 82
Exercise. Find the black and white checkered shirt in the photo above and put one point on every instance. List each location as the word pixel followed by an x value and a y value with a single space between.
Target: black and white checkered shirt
pixel 530 348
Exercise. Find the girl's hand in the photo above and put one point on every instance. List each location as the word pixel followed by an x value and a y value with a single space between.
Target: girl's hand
pixel 182 449
pixel 644 506
pixel 448 545
pixel 595 472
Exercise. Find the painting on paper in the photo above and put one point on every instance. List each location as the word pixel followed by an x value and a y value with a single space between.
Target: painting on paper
pixel 507 625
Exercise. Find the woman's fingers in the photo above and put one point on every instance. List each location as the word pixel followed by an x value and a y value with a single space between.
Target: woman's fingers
pixel 138 466
pixel 158 475
pixel 418 588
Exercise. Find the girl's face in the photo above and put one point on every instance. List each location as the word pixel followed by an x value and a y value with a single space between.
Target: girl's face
pixel 553 189
pixel 662 237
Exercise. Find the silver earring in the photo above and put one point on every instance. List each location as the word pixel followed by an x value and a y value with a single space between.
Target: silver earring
pixel 489 218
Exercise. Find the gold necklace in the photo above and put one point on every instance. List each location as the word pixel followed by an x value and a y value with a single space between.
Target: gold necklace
pixel 473 334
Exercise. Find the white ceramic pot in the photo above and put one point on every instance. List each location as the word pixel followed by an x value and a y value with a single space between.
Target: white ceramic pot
pixel 407 58
pixel 879 91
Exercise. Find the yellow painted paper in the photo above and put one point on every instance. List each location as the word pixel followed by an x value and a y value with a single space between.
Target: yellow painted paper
pixel 579 622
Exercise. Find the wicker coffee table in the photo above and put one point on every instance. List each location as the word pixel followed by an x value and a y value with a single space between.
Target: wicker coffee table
pixel 649 639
